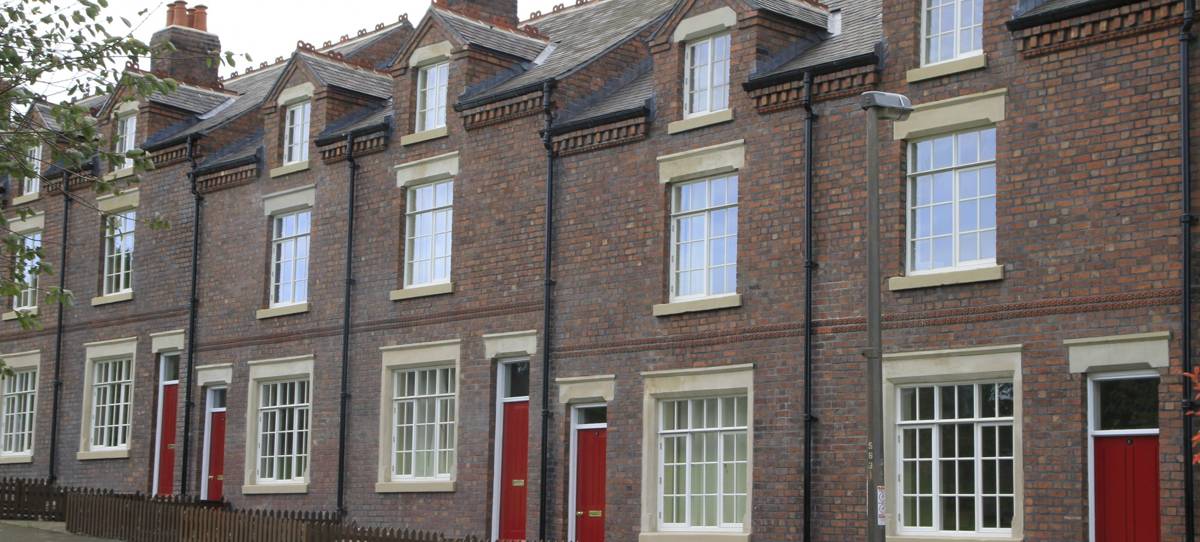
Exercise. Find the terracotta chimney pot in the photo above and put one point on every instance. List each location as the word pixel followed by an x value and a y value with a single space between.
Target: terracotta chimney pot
pixel 200 18
pixel 177 14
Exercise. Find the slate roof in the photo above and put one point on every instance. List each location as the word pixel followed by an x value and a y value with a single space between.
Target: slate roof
pixel 251 88
pixel 629 94
pixel 44 109
pixel 579 34
pixel 189 98
pixel 353 46
pixel 795 9
pixel 1029 12
pixel 492 37
pixel 862 31
pixel 339 74
pixel 242 149
pixel 363 118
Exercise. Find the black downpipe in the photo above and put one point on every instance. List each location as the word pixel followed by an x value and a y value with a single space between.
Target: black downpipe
pixel 810 265
pixel 1185 223
pixel 349 279
pixel 547 299
pixel 58 331
pixel 193 302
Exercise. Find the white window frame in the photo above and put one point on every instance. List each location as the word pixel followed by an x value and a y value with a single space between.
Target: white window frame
pixel 122 385
pixel 959 53
pixel 163 382
pixel 209 410
pixel 297 123
pixel 444 404
pixel 118 264
pixel 296 263
pixel 27 299
pixel 935 458
pixel 689 436
pixel 955 170
pixel 689 87
pixel 126 139
pixel 1093 420
pixel 33 184
pixel 707 211
pixel 300 437
pixel 413 214
pixel 438 90
pixel 573 482
pixel 502 378
pixel 24 415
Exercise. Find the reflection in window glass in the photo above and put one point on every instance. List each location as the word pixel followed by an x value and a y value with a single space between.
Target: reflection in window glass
pixel 1127 404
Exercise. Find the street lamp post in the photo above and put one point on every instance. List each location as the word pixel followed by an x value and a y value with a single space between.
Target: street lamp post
pixel 879 106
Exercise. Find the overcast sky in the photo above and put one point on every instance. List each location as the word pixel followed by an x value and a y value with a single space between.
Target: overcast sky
pixel 266 29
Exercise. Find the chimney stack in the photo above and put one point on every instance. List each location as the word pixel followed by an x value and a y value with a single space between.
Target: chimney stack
pixel 194 55
pixel 501 12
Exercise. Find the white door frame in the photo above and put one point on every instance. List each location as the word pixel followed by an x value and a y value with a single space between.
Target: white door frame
pixel 158 411
pixel 209 410
pixel 574 461
pixel 1092 419
pixel 498 459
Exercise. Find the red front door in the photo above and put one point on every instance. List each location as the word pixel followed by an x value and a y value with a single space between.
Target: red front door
pixel 166 443
pixel 589 485
pixel 216 457
pixel 514 467
pixel 1127 497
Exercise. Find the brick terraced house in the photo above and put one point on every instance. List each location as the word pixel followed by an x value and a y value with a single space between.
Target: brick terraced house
pixel 599 275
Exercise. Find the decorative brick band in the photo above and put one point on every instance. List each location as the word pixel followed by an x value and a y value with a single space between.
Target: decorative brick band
pixel 1098 27
pixel 373 143
pixel 73 182
pixel 169 157
pixel 228 178
pixel 828 86
pixel 503 111
pixel 601 137
pixel 911 320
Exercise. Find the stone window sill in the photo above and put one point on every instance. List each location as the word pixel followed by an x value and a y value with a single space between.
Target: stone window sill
pixel 686 536
pixel 13 315
pixel 102 454
pixel 119 174
pixel 289 169
pixel 112 298
pixel 415 486
pixel 942 69
pixel 932 280
pixel 421 137
pixel 22 200
pixel 286 310
pixel 700 121
pixel 422 291
pixel 980 538
pixel 698 305
pixel 274 489
pixel 16 459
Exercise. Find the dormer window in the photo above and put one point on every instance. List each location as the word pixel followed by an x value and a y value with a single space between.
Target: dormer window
pixel 33 184
pixel 431 96
pixel 707 75
pixel 952 29
pixel 126 140
pixel 295 133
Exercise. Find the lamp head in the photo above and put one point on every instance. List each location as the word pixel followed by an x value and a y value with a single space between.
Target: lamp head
pixel 890 106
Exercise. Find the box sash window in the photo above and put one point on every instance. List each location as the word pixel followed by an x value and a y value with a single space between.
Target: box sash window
pixel 112 384
pixel 952 202
pixel 283 430
pixel 702 463
pixel 704 231
pixel 956 458
pixel 295 133
pixel 706 75
pixel 429 233
pixel 118 251
pixel 33 183
pixel 431 96
pixel 126 140
pixel 290 241
pixel 423 421
pixel 18 405
pixel 952 29
pixel 26 273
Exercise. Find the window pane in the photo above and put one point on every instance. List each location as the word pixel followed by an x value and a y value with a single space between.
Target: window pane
pixel 1127 404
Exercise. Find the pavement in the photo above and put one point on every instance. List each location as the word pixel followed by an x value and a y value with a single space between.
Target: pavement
pixel 40 531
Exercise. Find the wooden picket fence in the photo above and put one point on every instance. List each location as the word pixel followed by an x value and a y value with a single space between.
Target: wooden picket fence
pixel 30 499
